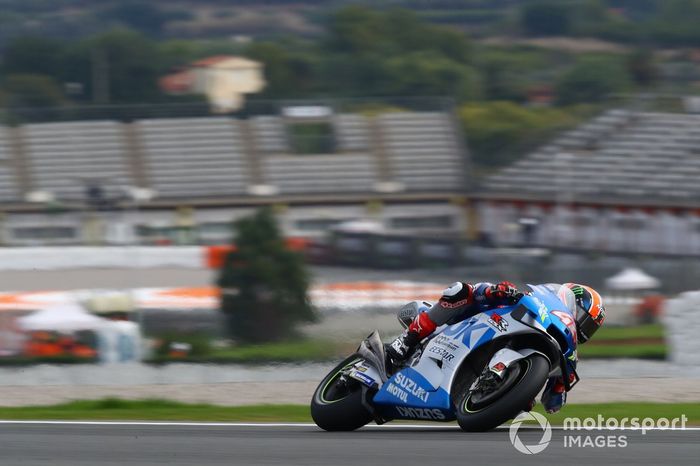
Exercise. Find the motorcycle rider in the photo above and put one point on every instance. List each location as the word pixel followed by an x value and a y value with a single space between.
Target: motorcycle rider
pixel 461 301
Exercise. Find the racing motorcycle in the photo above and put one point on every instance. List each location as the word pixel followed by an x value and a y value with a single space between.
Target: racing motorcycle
pixel 481 371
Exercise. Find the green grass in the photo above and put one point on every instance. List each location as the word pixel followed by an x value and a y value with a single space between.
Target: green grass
pixel 639 351
pixel 162 410
pixel 290 351
pixel 157 410
pixel 312 350
pixel 623 342
pixel 626 333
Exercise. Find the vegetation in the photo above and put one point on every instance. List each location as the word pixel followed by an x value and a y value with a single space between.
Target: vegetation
pixel 264 284
pixel 114 52
pixel 157 410
pixel 642 341
pixel 284 351
pixel 499 132
pixel 161 410
pixel 592 79
pixel 607 333
pixel 635 350
pixel 546 18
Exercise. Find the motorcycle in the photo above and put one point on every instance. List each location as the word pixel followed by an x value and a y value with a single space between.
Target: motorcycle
pixel 481 371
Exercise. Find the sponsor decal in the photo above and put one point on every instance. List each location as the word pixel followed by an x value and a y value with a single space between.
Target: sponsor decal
pixel 541 309
pixel 566 318
pixel 421 413
pixel 411 387
pixel 362 378
pixel 445 342
pixel 442 352
pixel 447 305
pixel 498 367
pixel 499 322
pixel 464 330
pixel 601 315
pixel 397 392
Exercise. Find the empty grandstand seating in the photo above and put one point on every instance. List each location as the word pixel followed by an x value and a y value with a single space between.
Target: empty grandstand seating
pixel 309 174
pixel 269 134
pixel 422 151
pixel 352 133
pixel 214 157
pixel 351 170
pixel 8 179
pixel 193 157
pixel 64 158
pixel 618 154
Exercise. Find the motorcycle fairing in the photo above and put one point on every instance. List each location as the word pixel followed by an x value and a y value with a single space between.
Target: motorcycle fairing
pixel 424 389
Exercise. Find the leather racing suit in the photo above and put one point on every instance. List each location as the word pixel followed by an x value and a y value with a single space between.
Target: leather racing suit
pixel 458 302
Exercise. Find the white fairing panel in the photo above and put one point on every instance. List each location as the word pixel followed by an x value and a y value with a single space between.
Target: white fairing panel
pixel 450 350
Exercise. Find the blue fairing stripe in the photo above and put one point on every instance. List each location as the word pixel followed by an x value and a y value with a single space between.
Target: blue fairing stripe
pixel 409 388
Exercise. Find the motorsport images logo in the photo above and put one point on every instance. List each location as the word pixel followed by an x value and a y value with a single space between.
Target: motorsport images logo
pixel 589 424
pixel 544 425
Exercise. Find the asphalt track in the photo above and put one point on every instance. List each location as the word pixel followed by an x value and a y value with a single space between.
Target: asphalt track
pixel 67 444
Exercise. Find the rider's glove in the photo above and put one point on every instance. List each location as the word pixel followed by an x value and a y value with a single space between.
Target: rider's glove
pixel 554 395
pixel 505 291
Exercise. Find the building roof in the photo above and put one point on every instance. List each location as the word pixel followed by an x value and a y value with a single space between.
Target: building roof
pixel 176 83
pixel 227 61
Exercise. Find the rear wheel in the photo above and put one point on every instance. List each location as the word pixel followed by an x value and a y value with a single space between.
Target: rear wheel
pixel 494 401
pixel 337 401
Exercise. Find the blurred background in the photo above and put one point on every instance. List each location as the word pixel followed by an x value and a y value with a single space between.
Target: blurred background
pixel 214 194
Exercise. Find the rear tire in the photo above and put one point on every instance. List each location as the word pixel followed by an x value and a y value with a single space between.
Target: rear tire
pixel 336 406
pixel 507 406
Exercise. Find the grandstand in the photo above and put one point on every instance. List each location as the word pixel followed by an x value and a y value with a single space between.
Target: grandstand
pixel 61 157
pixel 633 157
pixel 624 181
pixel 220 166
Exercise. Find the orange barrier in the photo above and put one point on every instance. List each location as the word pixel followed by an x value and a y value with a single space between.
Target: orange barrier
pixel 215 256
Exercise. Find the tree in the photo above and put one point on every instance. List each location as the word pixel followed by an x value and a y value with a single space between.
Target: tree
pixel 143 17
pixel 32 55
pixel 545 19
pixel 425 74
pixel 32 91
pixel 499 132
pixel 591 80
pixel 642 68
pixel 264 285
pixel 131 64
pixel 287 74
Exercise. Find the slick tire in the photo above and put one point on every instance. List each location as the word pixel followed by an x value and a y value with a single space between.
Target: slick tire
pixel 535 371
pixel 339 410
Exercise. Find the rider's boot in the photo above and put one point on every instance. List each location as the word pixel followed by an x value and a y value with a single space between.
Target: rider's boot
pixel 405 344
pixel 402 347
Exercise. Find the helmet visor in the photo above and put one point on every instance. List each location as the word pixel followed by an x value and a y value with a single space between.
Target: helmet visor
pixel 587 326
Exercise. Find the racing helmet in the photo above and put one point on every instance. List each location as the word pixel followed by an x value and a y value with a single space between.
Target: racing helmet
pixel 590 312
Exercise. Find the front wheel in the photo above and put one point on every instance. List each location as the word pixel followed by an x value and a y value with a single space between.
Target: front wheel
pixel 337 401
pixel 481 410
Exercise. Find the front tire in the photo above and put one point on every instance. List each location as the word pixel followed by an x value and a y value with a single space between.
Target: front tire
pixel 534 371
pixel 337 403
